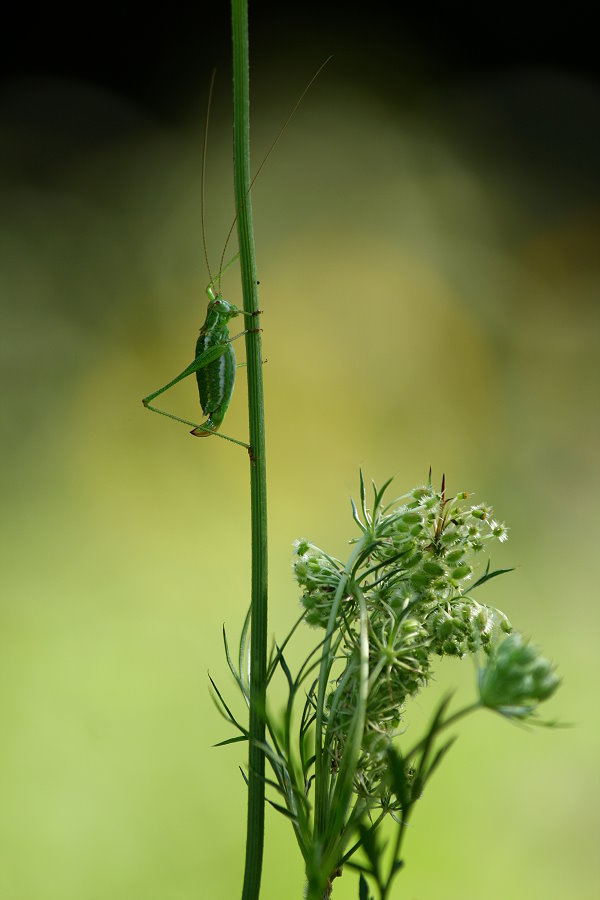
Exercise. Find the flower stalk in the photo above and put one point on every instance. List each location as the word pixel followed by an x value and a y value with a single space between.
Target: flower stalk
pixel 258 479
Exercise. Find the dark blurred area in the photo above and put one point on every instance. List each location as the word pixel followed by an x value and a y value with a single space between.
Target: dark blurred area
pixel 156 56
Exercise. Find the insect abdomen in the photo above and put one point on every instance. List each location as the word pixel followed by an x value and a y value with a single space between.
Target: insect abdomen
pixel 216 380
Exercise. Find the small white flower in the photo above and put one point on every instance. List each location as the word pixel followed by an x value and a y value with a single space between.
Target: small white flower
pixel 499 530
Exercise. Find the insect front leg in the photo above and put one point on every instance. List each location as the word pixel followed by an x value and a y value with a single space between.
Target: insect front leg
pixel 251 315
pixel 245 331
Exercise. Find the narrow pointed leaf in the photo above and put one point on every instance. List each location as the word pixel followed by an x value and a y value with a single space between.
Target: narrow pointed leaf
pixel 356 517
pixel 363 497
pixel 233 740
pixel 282 809
pixel 487 576
pixel 224 709
pixel 363 888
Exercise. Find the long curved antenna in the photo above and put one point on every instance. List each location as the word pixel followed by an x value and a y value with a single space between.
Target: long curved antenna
pixel 203 178
pixel 265 158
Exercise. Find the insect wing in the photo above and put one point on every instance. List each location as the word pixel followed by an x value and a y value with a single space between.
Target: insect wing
pixel 216 380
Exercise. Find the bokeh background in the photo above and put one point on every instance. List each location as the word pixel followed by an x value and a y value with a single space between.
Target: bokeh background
pixel 427 237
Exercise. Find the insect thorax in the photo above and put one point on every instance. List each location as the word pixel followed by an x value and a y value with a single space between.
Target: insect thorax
pixel 219 313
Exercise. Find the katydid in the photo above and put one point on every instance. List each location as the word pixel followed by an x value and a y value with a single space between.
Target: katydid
pixel 214 362
pixel 214 366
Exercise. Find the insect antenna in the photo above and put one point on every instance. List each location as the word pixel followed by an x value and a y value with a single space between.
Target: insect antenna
pixel 265 158
pixel 203 179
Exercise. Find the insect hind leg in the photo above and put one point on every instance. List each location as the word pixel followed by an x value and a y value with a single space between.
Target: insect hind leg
pixel 199 430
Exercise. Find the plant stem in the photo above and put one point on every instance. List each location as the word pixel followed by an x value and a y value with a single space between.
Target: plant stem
pixel 258 490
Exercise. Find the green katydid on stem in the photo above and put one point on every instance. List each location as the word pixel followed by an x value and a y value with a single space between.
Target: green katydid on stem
pixel 214 360
pixel 214 365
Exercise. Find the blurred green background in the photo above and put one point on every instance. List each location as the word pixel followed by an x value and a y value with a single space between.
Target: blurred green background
pixel 429 276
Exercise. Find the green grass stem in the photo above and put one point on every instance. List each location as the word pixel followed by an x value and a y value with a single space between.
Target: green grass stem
pixel 258 484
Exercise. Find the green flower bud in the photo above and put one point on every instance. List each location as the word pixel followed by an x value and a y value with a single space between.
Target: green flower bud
pixel 302 546
pixel 413 560
pixel 399 525
pixel 433 568
pixel 301 570
pixel 461 571
pixel 516 678
pixel 455 555
pixel 420 580
pixel 445 629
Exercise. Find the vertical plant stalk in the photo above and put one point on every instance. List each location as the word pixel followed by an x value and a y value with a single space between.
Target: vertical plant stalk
pixel 258 486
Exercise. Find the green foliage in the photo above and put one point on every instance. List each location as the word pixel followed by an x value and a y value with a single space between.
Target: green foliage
pixel 403 599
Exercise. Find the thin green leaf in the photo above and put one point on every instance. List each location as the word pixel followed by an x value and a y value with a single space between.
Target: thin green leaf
pixel 284 786
pixel 487 576
pixel 286 671
pixel 358 867
pixel 233 740
pixel 396 866
pixel 283 810
pixel 274 661
pixel 400 784
pixel 275 785
pixel 363 497
pixel 277 761
pixel 379 494
pixel 356 517
pixel 224 709
pixel 307 764
pixel 345 860
pixel 370 846
pixel 233 670
pixel 307 666
pixel 243 655
pixel 363 888
pixel 388 561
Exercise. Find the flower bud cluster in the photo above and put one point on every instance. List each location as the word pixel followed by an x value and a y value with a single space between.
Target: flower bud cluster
pixel 430 543
pixel 318 575
pixel 422 558
pixel 463 626
pixel 418 557
pixel 516 678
